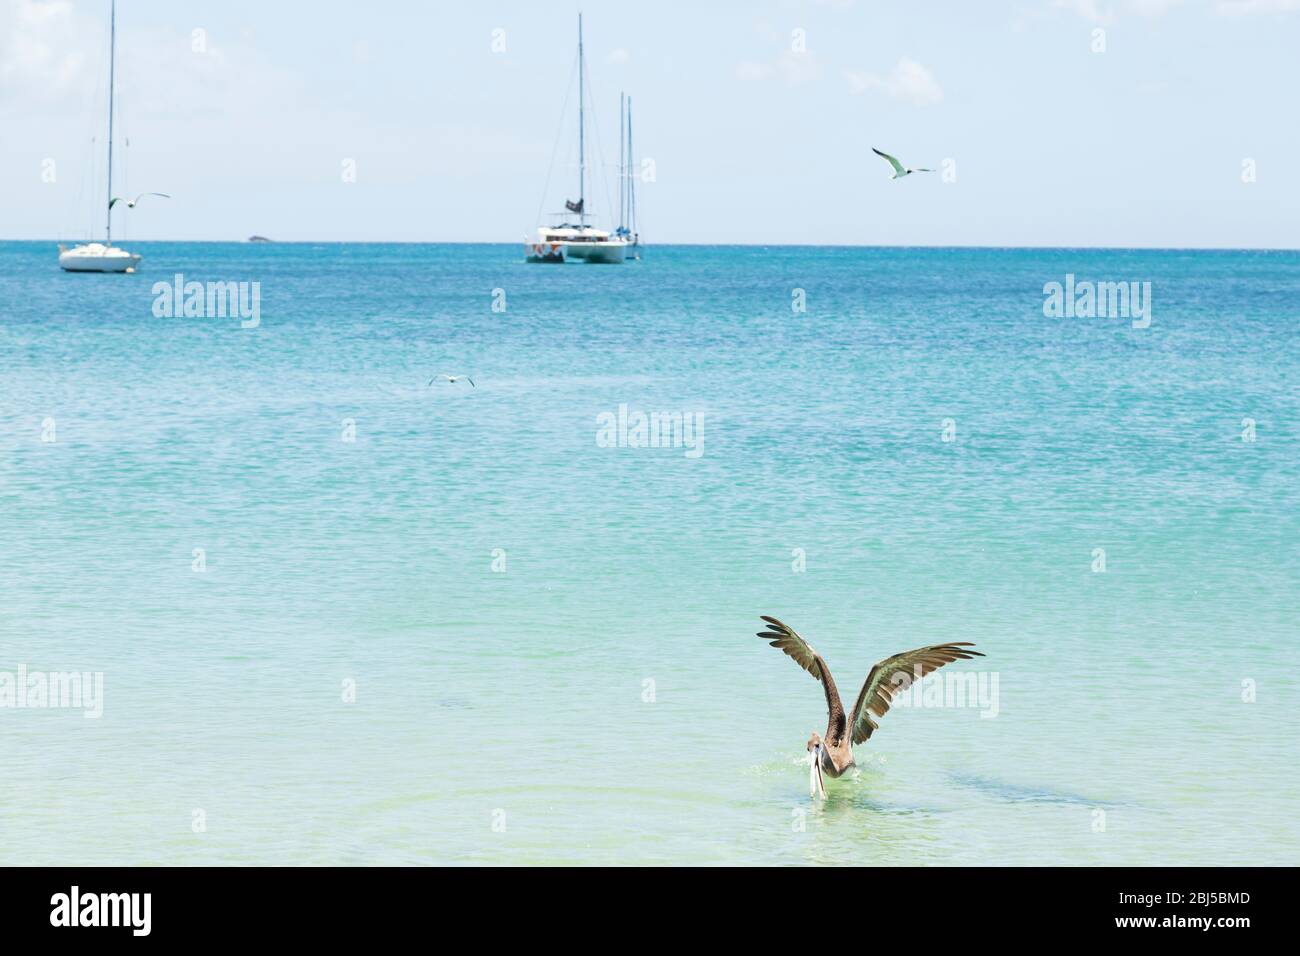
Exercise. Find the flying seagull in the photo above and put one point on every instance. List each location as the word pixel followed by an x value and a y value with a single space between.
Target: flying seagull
pixel 899 170
pixel 453 379
pixel 834 754
pixel 130 203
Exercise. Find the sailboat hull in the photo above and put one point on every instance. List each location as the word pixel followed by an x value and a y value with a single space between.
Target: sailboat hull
pixel 97 257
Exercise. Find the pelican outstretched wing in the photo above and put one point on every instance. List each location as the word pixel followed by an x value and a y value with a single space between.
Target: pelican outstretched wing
pixel 897 673
pixel 788 639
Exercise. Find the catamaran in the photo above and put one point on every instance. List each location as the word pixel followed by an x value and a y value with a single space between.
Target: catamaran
pixel 103 256
pixel 571 238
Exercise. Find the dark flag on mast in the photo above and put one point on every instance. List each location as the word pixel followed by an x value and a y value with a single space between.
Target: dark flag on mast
pixel 572 206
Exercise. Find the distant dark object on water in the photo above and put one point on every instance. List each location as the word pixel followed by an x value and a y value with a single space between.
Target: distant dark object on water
pixel 258 239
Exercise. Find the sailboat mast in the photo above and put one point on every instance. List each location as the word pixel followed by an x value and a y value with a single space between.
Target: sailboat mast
pixel 112 55
pixel 622 168
pixel 582 156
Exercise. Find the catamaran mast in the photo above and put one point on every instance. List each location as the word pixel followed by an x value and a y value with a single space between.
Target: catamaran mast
pixel 631 181
pixel 112 51
pixel 582 159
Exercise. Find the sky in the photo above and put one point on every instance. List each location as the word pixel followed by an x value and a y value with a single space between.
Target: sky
pixel 754 120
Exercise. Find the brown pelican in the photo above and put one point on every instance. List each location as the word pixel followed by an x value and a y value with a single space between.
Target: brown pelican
pixel 834 753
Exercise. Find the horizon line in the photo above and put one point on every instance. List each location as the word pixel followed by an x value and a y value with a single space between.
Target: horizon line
pixel 670 245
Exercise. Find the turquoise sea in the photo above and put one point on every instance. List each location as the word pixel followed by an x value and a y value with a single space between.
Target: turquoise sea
pixel 551 642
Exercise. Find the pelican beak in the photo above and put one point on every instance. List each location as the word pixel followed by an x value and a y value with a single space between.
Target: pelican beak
pixel 816 786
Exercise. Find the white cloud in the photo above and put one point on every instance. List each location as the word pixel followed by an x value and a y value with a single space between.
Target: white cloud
pixel 42 45
pixel 1094 12
pixel 798 68
pixel 1089 10
pixel 795 68
pixel 1240 8
pixel 908 81
pixel 1154 8
pixel 751 70
pixel 861 82
pixel 618 56
pixel 912 82
pixel 56 53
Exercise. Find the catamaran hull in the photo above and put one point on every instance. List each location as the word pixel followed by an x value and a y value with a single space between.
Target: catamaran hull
pixel 597 252
pixel 544 251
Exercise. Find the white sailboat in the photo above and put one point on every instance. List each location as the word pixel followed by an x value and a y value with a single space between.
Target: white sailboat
pixel 568 239
pixel 103 256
